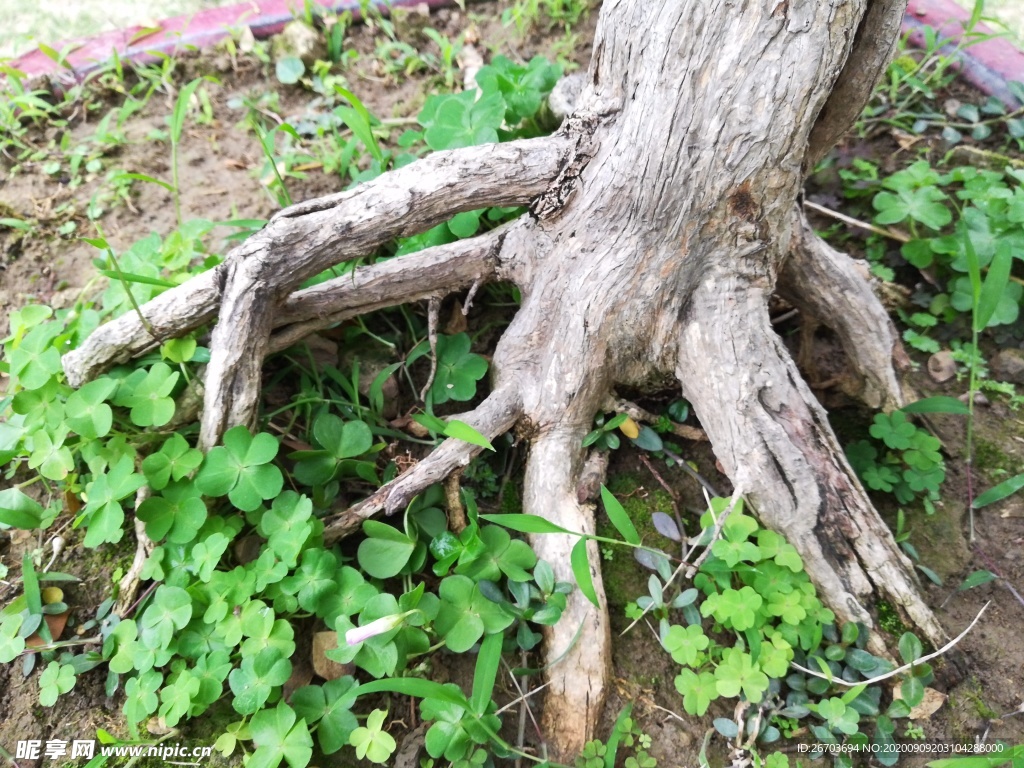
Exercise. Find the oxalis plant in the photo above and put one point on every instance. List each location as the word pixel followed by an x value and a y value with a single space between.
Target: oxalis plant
pixel 751 628
pixel 652 219
pixel 231 541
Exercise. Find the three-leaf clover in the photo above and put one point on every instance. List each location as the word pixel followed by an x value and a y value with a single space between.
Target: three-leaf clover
pixel 147 393
pixel 738 673
pixel 698 691
pixel 839 715
pixel 685 643
pixel 56 679
pixel 279 737
pixel 177 514
pixel 174 461
pixel 465 614
pixel 459 120
pixel 254 681
pixel 241 469
pixel 458 370
pixel 734 608
pixel 86 412
pixel 339 440
pixel 331 705
pixel 371 741
pixel 103 513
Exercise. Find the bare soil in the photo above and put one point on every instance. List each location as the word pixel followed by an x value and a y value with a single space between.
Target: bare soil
pixel 219 172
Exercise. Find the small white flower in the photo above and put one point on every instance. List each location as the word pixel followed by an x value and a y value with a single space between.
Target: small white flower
pixel 384 624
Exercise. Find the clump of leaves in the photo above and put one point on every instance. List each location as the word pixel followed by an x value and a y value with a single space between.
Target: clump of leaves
pixel 903 460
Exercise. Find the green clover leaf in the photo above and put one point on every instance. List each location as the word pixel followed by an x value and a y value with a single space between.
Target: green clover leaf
pixel 279 737
pixel 141 695
pixel 839 716
pixel 331 705
pixel 56 679
pixel 103 514
pixel 177 514
pixel 371 741
pixel 522 86
pixel 339 440
pixel 314 580
pixel 788 606
pixel 775 657
pixel 352 594
pixel 503 555
pixel 51 457
pixel 737 609
pixel 254 681
pixel 459 120
pixel 147 393
pixel 35 360
pixel 893 429
pixel 86 411
pixel 241 469
pixel 738 673
pixel 458 370
pixel 385 551
pixel 287 526
pixel 11 642
pixel 698 691
pixel 925 205
pixel 176 697
pixel 685 643
pixel 465 614
pixel 211 670
pixel 174 461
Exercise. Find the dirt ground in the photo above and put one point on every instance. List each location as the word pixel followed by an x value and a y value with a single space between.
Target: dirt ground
pixel 220 184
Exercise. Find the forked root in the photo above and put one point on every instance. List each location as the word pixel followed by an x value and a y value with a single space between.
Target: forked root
pixel 773 438
pixel 493 417
pixel 828 285
pixel 307 238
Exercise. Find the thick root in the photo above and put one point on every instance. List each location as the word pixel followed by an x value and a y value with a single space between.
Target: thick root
pixel 327 231
pixel 578 648
pixel 828 286
pixel 773 439
pixel 418 276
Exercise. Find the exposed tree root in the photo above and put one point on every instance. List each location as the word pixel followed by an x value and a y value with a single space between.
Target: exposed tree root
pixel 579 645
pixel 828 286
pixel 651 248
pixel 330 230
pixel 773 438
pixel 495 416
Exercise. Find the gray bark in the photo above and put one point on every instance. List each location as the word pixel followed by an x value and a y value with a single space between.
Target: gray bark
pixel 664 213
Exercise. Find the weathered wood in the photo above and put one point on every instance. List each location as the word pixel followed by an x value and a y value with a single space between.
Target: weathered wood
pixel 829 287
pixel 661 217
pixel 295 245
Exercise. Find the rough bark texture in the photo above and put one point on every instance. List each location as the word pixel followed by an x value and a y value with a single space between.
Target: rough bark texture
pixel 664 212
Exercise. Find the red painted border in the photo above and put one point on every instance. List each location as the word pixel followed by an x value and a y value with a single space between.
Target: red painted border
pixel 179 33
pixel 988 65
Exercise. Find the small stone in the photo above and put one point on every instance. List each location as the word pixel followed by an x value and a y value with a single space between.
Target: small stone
pixel 979 398
pixel 941 366
pixel 299 40
pixel 327 668
pixel 410 22
pixel 1008 365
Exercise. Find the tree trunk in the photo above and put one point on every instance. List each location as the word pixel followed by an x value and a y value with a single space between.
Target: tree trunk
pixel 663 215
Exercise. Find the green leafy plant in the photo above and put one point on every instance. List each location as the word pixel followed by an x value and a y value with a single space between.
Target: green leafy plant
pixel 905 461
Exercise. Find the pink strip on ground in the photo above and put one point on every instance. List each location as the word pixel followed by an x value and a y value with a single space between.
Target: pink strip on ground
pixel 989 65
pixel 180 33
